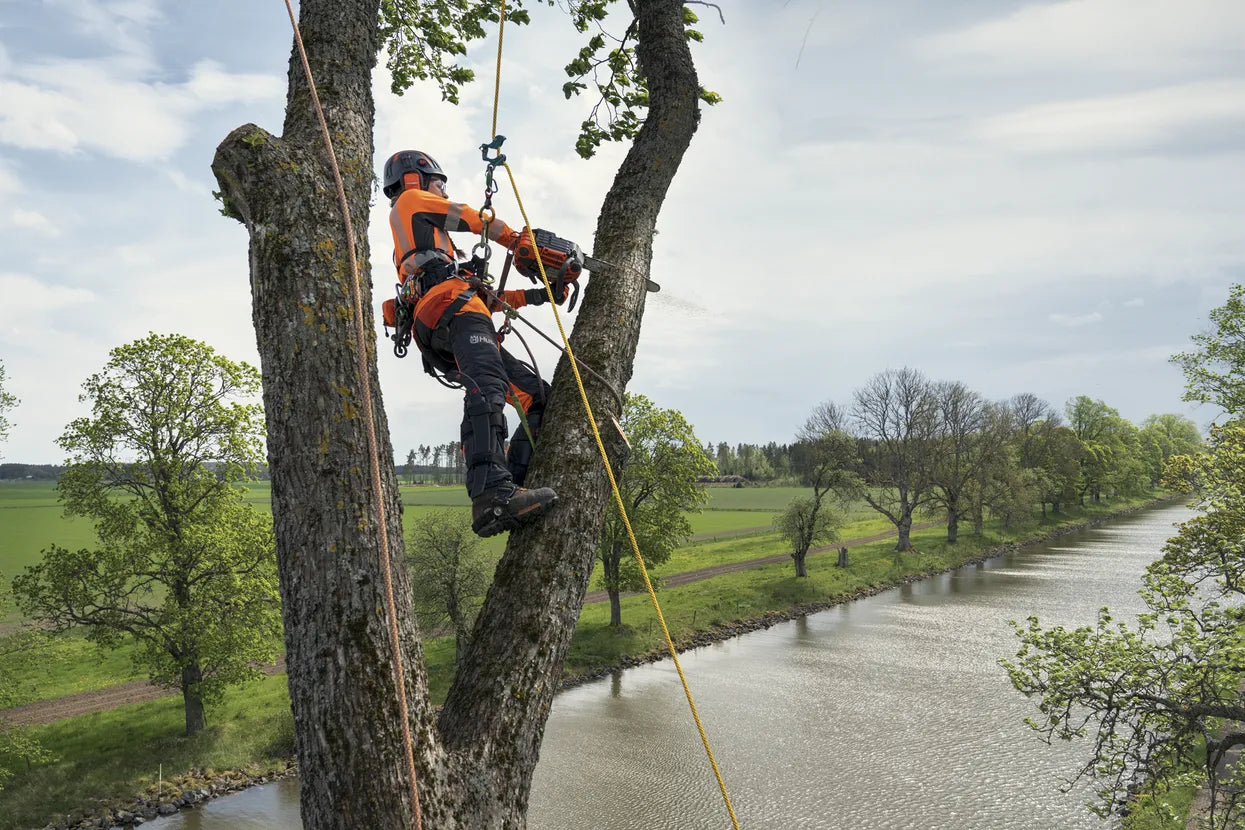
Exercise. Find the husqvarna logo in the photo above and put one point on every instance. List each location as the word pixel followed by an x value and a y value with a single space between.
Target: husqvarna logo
pixel 480 338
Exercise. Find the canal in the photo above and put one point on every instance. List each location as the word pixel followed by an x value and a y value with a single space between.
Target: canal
pixel 890 712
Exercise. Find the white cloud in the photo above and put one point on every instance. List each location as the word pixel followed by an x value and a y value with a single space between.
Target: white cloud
pixel 1075 35
pixel 210 84
pixel 1135 302
pixel 9 182
pixel 121 24
pixel 29 305
pixel 82 105
pixel 1121 122
pixel 1075 320
pixel 33 220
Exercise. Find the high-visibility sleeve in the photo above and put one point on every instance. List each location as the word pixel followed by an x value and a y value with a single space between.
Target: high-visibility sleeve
pixel 441 213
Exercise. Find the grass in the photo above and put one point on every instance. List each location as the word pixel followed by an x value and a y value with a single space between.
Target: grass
pixel 112 755
pixel 76 666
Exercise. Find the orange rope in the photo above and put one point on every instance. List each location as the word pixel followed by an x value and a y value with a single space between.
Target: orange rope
pixel 370 421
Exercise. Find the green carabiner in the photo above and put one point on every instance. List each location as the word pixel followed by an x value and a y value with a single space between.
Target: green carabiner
pixel 495 144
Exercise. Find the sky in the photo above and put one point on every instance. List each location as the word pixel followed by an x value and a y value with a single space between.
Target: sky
pixel 1043 197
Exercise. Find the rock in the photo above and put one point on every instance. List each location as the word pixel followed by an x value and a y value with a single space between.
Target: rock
pixel 167 809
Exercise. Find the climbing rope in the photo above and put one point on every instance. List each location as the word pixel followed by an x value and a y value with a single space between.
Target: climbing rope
pixel 370 421
pixel 596 434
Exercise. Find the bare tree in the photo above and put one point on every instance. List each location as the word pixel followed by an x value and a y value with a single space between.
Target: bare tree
pixel 961 454
pixel 896 412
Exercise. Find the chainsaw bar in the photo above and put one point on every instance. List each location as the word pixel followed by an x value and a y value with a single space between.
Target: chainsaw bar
pixel 594 264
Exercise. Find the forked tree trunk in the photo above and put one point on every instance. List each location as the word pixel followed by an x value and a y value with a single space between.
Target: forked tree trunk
pixel 475 764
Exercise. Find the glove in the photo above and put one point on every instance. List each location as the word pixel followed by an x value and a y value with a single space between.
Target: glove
pixel 538 296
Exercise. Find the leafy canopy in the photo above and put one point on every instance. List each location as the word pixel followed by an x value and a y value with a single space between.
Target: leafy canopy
pixel 184 567
pixel 426 38
pixel 658 486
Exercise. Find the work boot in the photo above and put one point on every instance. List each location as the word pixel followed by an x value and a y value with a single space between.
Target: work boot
pixel 505 508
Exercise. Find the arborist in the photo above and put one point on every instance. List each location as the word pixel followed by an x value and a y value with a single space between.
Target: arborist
pixel 449 313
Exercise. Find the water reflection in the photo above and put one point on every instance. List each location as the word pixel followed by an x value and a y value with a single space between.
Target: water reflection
pixel 890 712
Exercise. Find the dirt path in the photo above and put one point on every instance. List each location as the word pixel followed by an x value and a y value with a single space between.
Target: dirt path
pixel 140 691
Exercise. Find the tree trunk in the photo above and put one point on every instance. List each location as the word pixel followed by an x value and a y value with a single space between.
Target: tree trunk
pixel 615 607
pixel 192 699
pixel 801 568
pixel 904 543
pixel 953 527
pixel 474 765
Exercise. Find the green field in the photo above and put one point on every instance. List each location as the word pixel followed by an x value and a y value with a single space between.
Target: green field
pixel 113 754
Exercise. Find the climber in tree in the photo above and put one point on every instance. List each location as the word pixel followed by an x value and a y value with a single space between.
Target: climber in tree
pixel 452 325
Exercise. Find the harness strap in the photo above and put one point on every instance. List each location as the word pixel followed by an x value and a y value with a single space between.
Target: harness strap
pixel 427 337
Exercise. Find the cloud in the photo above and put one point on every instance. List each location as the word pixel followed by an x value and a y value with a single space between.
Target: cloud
pixel 84 105
pixel 121 24
pixel 30 305
pixel 1135 302
pixel 1078 35
pixel 1075 320
pixel 1141 120
pixel 33 220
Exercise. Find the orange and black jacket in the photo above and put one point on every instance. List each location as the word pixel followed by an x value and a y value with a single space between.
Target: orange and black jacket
pixel 420 222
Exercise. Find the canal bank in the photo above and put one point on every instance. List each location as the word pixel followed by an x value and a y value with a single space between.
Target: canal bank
pixel 731 627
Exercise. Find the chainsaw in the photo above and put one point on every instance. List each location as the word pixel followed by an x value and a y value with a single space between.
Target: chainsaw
pixel 564 262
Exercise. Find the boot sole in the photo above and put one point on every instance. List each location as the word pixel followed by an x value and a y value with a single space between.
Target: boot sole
pixel 509 521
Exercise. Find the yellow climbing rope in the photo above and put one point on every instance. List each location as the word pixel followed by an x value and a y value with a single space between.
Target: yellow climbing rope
pixel 596 434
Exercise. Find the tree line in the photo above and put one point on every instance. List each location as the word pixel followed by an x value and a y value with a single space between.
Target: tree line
pixel 908 445
pixel 436 464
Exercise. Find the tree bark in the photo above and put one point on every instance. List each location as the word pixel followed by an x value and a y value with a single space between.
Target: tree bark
pixel 338 648
pixel 615 607
pixel 904 542
pixel 953 526
pixel 192 698
pixel 801 566
pixel 475 763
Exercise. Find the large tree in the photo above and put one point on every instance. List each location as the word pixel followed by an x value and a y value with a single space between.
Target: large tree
pixel 659 487
pixel 1164 436
pixel 184 567
pixel 896 412
pixel 963 453
pixel 1163 699
pixel 475 757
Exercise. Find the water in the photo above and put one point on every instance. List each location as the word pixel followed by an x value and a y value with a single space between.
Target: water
pixel 886 713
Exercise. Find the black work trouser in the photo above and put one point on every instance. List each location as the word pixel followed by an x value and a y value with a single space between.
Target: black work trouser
pixel 491 376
